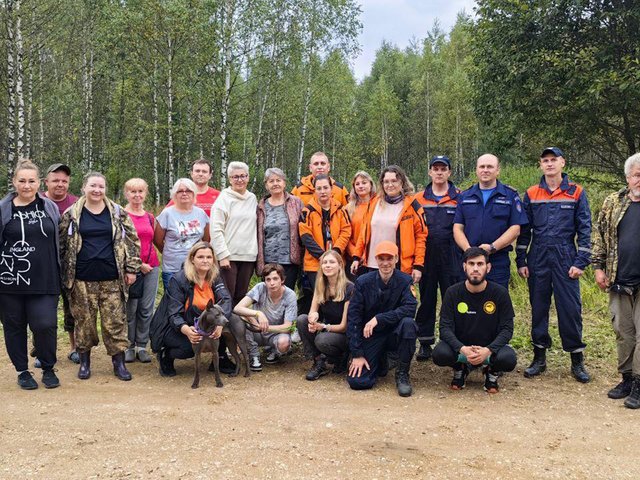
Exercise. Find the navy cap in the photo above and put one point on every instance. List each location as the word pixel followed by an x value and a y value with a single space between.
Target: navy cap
pixel 443 159
pixel 555 150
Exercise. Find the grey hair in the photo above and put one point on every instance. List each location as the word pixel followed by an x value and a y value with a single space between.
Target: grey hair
pixel 237 166
pixel 274 171
pixel 632 161
pixel 187 182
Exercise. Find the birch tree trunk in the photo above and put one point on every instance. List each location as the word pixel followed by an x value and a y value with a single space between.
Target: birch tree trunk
pixel 20 143
pixel 170 166
pixel 154 100
pixel 11 105
pixel 305 119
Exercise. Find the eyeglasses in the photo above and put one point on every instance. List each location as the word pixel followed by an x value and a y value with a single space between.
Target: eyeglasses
pixel 183 191
pixel 244 176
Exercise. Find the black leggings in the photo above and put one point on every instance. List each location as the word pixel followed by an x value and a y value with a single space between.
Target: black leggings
pixel 40 313
pixel 504 360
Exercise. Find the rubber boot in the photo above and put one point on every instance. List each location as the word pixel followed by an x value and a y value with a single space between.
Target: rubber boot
pixel 539 363
pixel 424 354
pixel 403 383
pixel 577 368
pixel 119 368
pixel 623 389
pixel 633 400
pixel 84 372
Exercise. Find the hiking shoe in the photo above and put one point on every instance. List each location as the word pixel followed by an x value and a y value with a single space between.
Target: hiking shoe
pixel 577 368
pixel 460 374
pixel 130 355
pixel 74 357
pixel 165 363
pixel 37 363
pixel 143 356
pixel 255 365
pixel 26 381
pixel 633 400
pixel 538 364
pixel 272 357
pixel 623 389
pixel 403 383
pixel 225 365
pixel 50 379
pixel 424 354
pixel 490 381
pixel 318 369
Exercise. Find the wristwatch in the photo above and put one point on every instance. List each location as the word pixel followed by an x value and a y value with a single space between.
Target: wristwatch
pixel 324 328
pixel 492 248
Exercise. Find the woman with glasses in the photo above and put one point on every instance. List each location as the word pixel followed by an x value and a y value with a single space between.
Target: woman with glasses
pixel 396 217
pixel 179 227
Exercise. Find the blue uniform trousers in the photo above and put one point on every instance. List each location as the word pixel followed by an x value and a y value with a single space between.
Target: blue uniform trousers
pixel 401 339
pixel 548 273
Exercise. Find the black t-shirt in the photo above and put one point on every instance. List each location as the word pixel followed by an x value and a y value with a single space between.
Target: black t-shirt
pixel 484 319
pixel 331 312
pixel 326 230
pixel 96 261
pixel 628 272
pixel 29 259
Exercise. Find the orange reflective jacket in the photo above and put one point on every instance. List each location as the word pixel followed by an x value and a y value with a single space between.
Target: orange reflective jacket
pixel 304 190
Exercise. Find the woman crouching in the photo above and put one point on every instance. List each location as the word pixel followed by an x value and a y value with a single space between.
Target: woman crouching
pixel 173 332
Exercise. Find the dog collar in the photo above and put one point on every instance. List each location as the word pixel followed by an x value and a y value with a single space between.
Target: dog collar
pixel 199 331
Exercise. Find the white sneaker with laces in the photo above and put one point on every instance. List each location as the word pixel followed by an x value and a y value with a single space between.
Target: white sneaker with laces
pixel 255 364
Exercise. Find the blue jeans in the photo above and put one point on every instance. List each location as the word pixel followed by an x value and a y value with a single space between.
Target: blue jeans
pixel 166 276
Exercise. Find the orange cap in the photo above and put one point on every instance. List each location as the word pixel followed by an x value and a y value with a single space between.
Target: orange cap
pixel 386 248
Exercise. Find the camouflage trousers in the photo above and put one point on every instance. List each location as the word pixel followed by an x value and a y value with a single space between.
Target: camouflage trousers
pixel 86 299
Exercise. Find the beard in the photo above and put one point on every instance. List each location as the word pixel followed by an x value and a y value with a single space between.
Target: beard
pixel 476 281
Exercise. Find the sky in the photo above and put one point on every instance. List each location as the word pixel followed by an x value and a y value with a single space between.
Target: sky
pixel 398 21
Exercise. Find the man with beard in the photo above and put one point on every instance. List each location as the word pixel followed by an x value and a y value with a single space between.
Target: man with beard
pixel 476 323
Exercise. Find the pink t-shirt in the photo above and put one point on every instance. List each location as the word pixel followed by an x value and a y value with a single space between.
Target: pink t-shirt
pixel 64 203
pixel 204 200
pixel 384 223
pixel 144 228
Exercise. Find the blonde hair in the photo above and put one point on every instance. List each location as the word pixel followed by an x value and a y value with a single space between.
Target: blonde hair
pixel 322 291
pixel 25 164
pixel 190 268
pixel 135 182
pixel 354 199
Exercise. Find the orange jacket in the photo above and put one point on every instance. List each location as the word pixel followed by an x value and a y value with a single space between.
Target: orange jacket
pixel 411 236
pixel 313 233
pixel 359 214
pixel 304 190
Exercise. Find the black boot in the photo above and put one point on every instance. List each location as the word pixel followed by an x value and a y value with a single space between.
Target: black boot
pixel 225 365
pixel 85 365
pixel 165 363
pixel 633 400
pixel 119 368
pixel 539 363
pixel 424 354
pixel 577 368
pixel 623 389
pixel 403 383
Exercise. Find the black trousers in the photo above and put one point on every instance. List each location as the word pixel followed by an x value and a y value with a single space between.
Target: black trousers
pixel 504 360
pixel 40 314
pixel 178 345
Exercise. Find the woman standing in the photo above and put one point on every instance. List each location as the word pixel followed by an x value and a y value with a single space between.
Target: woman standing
pixel 172 328
pixel 323 331
pixel 363 191
pixel 139 310
pixel 29 275
pixel 278 238
pixel 101 256
pixel 396 217
pixel 179 227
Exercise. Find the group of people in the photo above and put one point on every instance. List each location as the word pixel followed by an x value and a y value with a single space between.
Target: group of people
pixel 355 257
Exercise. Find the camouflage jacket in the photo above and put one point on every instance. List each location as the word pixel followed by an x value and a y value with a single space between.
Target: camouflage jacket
pixel 604 237
pixel 126 245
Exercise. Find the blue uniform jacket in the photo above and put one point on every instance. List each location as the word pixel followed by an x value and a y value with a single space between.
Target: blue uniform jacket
pixel 389 303
pixel 556 218
pixel 439 213
pixel 485 223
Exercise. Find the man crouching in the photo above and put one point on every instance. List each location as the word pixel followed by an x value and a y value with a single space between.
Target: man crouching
pixel 476 323
pixel 380 319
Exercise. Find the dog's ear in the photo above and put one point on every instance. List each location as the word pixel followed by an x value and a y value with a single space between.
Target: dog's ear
pixel 210 304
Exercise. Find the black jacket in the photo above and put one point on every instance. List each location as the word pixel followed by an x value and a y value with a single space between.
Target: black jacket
pixel 389 303
pixel 171 312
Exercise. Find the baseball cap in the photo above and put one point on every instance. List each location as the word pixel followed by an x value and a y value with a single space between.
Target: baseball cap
pixel 555 150
pixel 59 166
pixel 386 248
pixel 443 159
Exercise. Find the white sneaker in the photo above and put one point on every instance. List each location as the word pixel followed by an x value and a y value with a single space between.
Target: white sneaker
pixel 295 337
pixel 272 358
pixel 255 364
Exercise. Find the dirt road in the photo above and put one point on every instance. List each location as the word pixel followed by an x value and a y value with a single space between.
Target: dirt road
pixel 278 425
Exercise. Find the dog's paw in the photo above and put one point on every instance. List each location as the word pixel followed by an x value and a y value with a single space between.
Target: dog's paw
pixel 219 384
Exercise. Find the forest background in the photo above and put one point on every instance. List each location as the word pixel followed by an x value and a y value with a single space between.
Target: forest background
pixel 144 87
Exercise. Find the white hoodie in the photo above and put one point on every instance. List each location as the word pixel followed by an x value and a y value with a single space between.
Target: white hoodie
pixel 233 226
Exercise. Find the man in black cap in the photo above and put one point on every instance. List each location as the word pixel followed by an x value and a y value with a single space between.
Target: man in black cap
pixel 442 258
pixel 57 182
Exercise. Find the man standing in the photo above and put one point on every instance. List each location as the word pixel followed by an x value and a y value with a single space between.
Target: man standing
pixel 201 174
pixel 489 216
pixel 558 214
pixel 476 324
pixel 318 165
pixel 380 319
pixel 442 260
pixel 617 268
pixel 57 182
